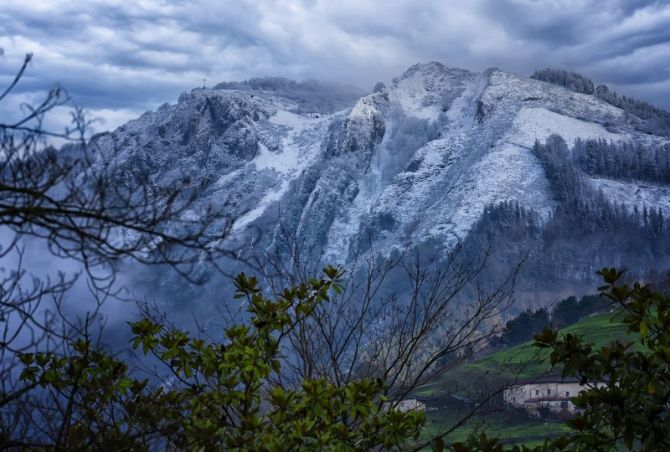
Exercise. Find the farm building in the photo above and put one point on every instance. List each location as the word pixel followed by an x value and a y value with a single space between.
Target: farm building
pixel 550 394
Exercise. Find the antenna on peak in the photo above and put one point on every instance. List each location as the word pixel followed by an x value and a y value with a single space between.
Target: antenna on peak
pixel 204 83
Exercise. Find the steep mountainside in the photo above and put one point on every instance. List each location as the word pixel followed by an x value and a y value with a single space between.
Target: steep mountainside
pixel 415 162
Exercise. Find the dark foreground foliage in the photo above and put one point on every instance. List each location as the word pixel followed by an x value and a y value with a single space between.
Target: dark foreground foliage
pixel 626 401
pixel 214 396
pixel 226 395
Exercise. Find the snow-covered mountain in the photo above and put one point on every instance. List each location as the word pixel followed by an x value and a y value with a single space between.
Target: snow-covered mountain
pixel 416 161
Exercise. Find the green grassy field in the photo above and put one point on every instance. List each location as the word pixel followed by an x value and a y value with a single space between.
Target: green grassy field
pixel 529 361
pixel 509 428
pixel 477 378
pixel 521 361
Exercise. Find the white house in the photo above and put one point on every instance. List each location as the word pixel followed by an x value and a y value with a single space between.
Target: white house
pixel 546 393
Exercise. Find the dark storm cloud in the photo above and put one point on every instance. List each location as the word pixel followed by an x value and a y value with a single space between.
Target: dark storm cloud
pixel 119 58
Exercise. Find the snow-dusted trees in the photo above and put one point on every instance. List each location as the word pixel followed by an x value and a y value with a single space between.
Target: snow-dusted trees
pixel 646 117
pixel 624 160
pixel 569 245
pixel 571 80
pixel 564 179
pixel 311 96
pixel 585 231
pixel 632 161
pixel 653 119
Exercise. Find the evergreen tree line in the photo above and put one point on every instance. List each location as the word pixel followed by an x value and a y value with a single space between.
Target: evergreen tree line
pixel 566 312
pixel 643 110
pixel 584 232
pixel 590 212
pixel 653 119
pixel 626 160
pixel 571 80
pixel 564 178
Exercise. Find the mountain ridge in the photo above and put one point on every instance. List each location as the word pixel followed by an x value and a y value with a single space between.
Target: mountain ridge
pixel 414 162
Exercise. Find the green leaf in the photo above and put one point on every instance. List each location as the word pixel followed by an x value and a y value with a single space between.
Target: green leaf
pixel 644 329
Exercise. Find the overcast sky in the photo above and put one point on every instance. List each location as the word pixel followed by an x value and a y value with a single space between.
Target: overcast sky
pixel 119 58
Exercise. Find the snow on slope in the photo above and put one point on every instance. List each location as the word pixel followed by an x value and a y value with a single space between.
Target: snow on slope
pixel 347 222
pixel 634 193
pixel 473 163
pixel 483 156
pixel 532 124
pixel 511 172
pixel 508 172
pixel 417 160
pixel 424 92
pixel 292 157
pixel 411 93
pixel 463 110
pixel 298 149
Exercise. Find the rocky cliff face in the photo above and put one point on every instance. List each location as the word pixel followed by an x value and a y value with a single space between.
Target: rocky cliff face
pixel 416 161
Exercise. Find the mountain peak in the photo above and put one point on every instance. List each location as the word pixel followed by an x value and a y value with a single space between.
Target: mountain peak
pixel 415 164
pixel 310 96
pixel 431 69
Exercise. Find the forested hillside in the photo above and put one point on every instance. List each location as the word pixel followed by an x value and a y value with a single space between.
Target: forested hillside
pixel 586 230
pixel 646 117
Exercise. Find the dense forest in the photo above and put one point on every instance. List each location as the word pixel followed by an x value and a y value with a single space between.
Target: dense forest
pixel 571 80
pixel 625 160
pixel 585 231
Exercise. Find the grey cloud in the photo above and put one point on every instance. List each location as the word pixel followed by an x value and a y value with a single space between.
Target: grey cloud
pixel 136 55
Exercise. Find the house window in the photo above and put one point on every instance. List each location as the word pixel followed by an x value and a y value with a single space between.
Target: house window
pixel 564 405
pixel 548 391
pixel 567 393
pixel 537 392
